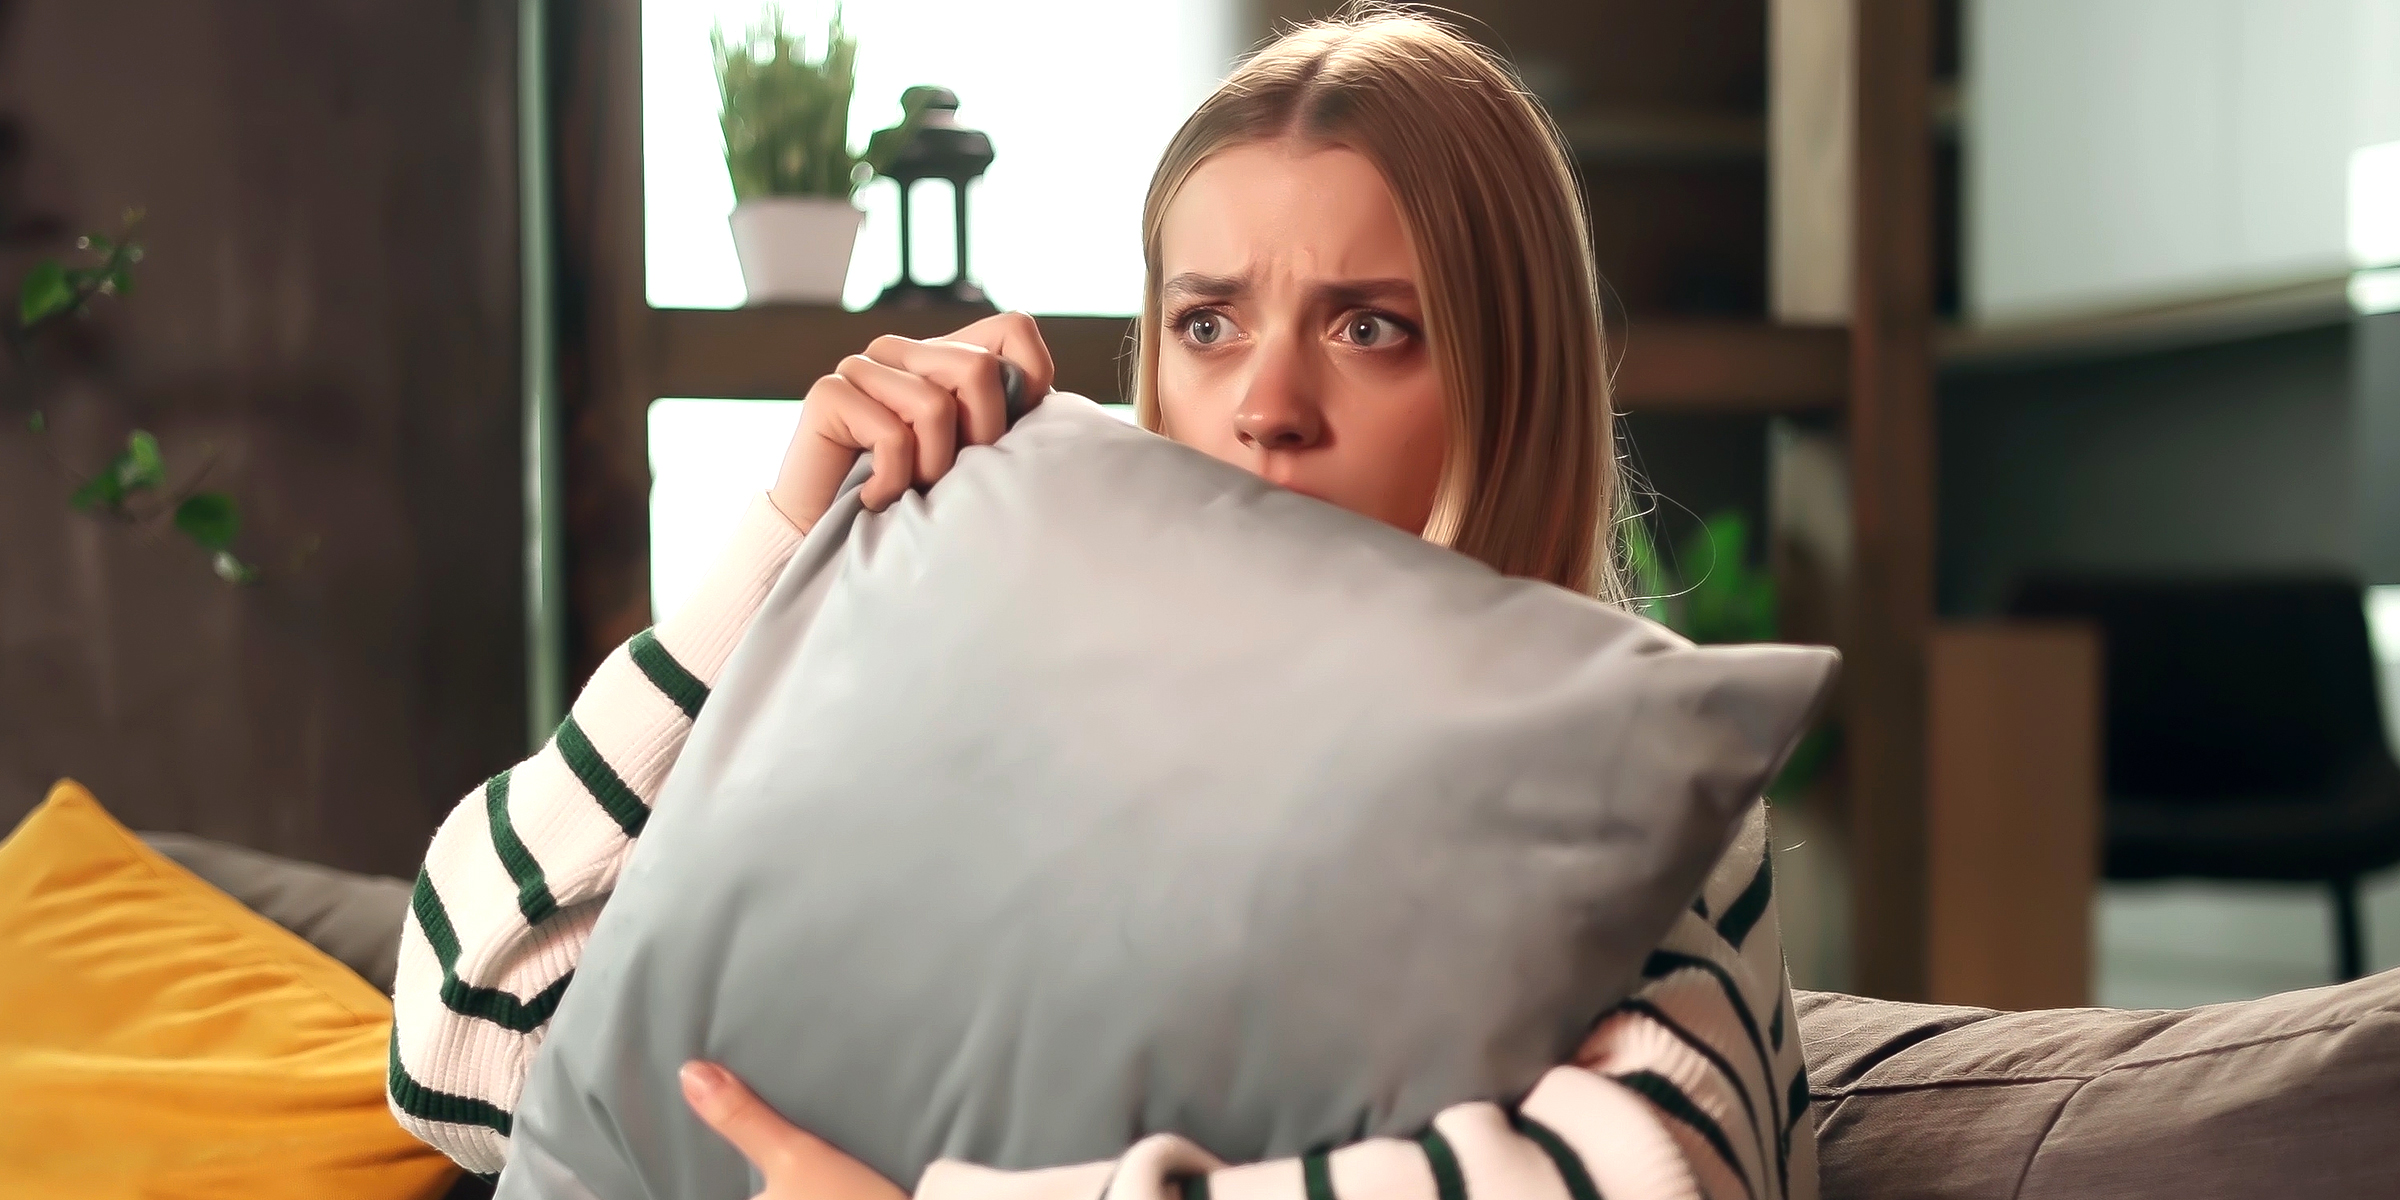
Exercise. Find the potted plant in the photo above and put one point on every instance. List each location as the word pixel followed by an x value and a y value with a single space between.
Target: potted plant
pixel 1712 595
pixel 786 120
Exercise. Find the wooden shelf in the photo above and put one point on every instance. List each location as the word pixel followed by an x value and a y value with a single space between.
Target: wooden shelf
pixel 1608 135
pixel 777 351
pixel 1663 364
pixel 2235 316
pixel 1685 365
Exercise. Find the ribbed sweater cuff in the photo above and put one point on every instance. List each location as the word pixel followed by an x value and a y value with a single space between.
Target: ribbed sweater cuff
pixel 1617 1134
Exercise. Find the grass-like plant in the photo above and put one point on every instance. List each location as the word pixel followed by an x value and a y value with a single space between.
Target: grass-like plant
pixel 786 117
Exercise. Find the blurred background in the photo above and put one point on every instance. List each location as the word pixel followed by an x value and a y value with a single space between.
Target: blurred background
pixel 2045 354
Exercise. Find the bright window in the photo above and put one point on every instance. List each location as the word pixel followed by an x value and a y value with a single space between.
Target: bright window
pixel 708 459
pixel 2383 629
pixel 1079 97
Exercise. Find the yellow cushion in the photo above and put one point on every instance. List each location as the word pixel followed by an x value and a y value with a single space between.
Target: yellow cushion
pixel 158 1039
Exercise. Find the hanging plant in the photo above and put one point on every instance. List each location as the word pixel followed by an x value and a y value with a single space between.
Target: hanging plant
pixel 133 486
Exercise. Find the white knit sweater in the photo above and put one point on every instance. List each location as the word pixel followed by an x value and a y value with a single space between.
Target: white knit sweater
pixel 1692 1088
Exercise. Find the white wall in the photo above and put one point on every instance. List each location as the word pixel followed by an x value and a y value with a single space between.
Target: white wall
pixel 2122 153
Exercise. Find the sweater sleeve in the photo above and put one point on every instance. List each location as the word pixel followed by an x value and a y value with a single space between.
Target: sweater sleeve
pixel 1711 1039
pixel 520 869
pixel 1577 1136
pixel 1693 1088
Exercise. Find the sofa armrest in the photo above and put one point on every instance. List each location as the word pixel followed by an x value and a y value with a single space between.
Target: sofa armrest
pixel 2296 1093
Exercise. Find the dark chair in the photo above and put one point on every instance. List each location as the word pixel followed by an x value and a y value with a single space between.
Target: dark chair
pixel 2245 740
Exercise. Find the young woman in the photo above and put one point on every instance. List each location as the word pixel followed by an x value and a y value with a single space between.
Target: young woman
pixel 1369 282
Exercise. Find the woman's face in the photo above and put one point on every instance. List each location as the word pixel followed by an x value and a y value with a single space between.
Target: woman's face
pixel 1294 344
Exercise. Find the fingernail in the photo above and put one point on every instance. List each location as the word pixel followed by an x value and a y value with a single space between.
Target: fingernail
pixel 702 1081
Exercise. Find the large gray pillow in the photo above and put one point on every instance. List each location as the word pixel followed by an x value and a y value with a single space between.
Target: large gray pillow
pixel 1105 790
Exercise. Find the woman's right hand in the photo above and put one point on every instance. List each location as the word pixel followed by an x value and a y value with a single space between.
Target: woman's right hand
pixel 911 403
pixel 795 1165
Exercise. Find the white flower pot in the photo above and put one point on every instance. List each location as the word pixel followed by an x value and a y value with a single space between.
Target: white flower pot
pixel 795 249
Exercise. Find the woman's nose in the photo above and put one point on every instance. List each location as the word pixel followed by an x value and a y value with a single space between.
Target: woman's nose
pixel 1277 413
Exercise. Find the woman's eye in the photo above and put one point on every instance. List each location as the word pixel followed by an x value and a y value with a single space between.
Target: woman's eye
pixel 1206 328
pixel 1371 330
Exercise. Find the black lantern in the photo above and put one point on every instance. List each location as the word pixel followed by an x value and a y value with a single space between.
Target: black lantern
pixel 931 144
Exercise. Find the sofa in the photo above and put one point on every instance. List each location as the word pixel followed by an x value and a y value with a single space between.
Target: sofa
pixel 2294 1094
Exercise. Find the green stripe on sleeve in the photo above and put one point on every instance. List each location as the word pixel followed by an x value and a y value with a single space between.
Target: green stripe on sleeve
pixel 533 891
pixel 1449 1183
pixel 680 686
pixel 501 1008
pixel 1663 963
pixel 426 1104
pixel 466 1000
pixel 1742 915
pixel 1661 1091
pixel 1316 1173
pixel 601 780
pixel 1797 1107
pixel 1562 1156
pixel 1692 1042
pixel 434 920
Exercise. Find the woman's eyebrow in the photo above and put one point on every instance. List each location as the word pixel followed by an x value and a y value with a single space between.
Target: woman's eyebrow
pixel 1354 293
pixel 1192 285
pixel 1337 293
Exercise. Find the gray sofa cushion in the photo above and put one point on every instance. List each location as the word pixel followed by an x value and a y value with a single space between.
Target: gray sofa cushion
pixel 2295 1094
pixel 1106 789
pixel 351 917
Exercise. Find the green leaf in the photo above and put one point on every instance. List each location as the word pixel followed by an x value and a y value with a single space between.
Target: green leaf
pixel 209 518
pixel 232 570
pixel 45 294
pixel 102 490
pixel 140 466
pixel 136 468
pixel 785 117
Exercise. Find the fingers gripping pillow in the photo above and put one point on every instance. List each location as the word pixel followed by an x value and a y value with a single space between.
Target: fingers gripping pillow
pixel 1106 790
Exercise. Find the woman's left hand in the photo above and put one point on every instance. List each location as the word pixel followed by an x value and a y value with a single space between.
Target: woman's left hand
pixel 795 1164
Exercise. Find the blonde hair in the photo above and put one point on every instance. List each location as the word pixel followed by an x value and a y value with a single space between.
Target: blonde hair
pixel 1484 186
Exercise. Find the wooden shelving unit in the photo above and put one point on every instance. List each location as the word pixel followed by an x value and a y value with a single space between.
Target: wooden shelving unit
pixel 1892 449
pixel 1668 126
pixel 1667 365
